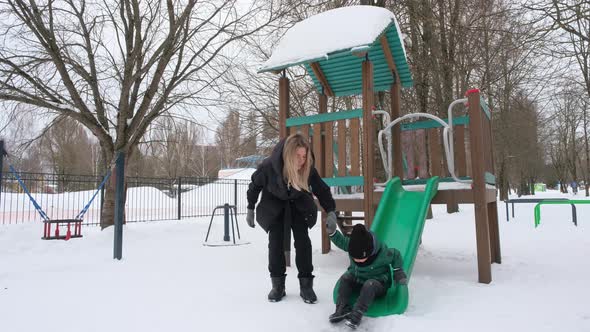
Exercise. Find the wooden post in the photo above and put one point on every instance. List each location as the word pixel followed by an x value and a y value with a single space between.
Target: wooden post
pixel 318 149
pixel 434 147
pixel 305 131
pixel 368 148
pixel 493 206
pixel 355 148
pixel 461 160
pixel 329 149
pixel 322 156
pixel 435 158
pixel 283 105
pixel 494 232
pixel 283 116
pixel 459 151
pixel 398 168
pixel 342 148
pixel 482 230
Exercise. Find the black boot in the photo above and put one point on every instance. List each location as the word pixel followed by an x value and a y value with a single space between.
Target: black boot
pixel 354 319
pixel 342 311
pixel 307 293
pixel 278 289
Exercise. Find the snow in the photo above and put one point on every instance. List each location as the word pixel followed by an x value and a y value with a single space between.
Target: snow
pixel 330 31
pixel 239 173
pixel 169 281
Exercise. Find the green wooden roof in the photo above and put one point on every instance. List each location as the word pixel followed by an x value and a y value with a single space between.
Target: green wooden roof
pixel 343 69
pixel 343 72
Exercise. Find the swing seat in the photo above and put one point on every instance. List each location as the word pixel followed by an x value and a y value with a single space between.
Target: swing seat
pixel 69 234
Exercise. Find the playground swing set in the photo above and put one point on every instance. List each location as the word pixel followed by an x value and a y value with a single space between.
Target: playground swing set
pixel 75 223
pixel 395 210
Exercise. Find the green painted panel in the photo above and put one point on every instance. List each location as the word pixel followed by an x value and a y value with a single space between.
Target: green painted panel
pixel 344 93
pixel 490 178
pixel 385 87
pixel 335 76
pixel 324 117
pixel 341 181
pixel 348 61
pixel 428 124
pixel 424 181
pixel 485 108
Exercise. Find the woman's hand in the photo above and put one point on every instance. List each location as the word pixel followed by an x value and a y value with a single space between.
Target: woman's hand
pixel 331 224
pixel 250 218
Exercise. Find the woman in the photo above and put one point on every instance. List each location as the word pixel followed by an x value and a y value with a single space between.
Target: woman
pixel 287 180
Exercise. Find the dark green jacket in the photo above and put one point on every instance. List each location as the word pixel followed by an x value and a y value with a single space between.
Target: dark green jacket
pixel 382 267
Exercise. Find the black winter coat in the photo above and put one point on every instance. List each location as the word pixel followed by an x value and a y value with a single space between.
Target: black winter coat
pixel 281 204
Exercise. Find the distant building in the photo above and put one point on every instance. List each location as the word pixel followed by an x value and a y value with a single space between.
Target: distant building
pixel 250 161
pixel 241 164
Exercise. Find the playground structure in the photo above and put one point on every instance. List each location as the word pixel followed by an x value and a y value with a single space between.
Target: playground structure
pixel 374 63
pixel 539 200
pixel 230 214
pixel 558 202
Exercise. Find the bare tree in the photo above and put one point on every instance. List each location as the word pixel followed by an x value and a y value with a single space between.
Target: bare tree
pixel 567 24
pixel 228 139
pixel 586 123
pixel 174 147
pixel 116 66
pixel 67 148
pixel 566 122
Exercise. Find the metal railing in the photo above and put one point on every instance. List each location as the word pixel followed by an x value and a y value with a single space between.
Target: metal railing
pixel 62 196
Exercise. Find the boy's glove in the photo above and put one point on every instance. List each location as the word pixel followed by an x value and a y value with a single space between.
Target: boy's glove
pixel 331 224
pixel 250 218
pixel 399 276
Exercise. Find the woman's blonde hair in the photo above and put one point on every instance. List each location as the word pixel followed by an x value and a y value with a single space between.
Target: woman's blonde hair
pixel 298 179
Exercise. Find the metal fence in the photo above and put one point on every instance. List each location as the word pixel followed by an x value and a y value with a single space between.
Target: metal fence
pixel 62 196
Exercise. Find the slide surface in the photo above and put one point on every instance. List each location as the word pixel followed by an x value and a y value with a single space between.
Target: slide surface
pixel 399 221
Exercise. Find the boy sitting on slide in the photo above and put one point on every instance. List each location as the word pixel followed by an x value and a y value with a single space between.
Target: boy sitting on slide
pixel 370 270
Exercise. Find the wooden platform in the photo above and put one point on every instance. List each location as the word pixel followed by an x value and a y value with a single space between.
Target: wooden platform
pixel 354 202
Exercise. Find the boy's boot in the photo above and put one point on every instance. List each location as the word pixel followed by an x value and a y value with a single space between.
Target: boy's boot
pixel 353 320
pixel 306 287
pixel 342 311
pixel 278 289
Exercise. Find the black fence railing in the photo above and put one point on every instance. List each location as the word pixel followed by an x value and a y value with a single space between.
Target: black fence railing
pixel 63 196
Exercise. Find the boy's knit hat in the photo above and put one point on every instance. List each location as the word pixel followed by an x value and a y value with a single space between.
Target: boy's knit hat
pixel 361 242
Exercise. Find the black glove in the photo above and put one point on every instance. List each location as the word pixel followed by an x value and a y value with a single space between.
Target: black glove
pixel 399 276
pixel 331 224
pixel 250 218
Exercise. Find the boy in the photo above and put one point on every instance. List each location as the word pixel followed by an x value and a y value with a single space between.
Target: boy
pixel 370 271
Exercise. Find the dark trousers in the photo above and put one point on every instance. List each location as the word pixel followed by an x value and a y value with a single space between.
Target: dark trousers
pixel 369 290
pixel 276 246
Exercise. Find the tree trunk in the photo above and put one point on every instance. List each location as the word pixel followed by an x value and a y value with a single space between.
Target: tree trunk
pixel 503 181
pixel 108 208
pixel 586 174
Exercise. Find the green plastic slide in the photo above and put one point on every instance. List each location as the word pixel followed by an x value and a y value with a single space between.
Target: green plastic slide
pixel 398 222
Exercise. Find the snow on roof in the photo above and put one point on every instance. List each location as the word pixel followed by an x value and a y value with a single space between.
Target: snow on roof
pixel 333 30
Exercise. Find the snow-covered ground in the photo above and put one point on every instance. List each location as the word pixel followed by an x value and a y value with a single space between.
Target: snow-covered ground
pixel 169 281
